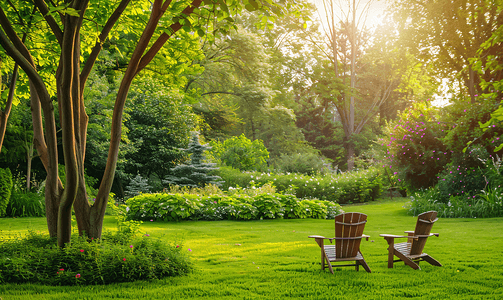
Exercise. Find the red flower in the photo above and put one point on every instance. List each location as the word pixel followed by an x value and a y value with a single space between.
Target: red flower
pixel 77 276
pixel 124 259
pixel 81 250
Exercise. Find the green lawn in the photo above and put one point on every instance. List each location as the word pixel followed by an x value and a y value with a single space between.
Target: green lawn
pixel 274 259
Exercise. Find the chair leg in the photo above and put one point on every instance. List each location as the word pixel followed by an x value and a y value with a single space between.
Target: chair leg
pixel 406 260
pixel 325 257
pixel 391 251
pixel 364 264
pixel 432 261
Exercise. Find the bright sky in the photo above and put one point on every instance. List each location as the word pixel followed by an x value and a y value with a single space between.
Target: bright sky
pixel 373 9
pixel 373 14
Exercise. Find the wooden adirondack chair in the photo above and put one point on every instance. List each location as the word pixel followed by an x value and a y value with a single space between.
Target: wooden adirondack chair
pixel 411 252
pixel 348 235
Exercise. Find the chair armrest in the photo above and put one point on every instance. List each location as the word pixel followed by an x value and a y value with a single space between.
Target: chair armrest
pixel 409 231
pixel 395 236
pixel 428 235
pixel 318 237
pixel 365 236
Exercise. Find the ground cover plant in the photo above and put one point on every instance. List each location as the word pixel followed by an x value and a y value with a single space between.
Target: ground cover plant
pixel 274 259
pixel 221 206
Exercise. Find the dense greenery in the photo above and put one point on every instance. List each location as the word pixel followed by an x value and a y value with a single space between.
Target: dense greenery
pixel 237 206
pixel 241 153
pixel 5 189
pixel 119 256
pixel 354 187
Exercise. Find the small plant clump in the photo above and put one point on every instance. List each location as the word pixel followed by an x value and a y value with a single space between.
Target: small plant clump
pixel 119 256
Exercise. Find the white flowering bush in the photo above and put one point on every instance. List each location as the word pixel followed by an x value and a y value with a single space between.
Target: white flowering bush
pixel 351 187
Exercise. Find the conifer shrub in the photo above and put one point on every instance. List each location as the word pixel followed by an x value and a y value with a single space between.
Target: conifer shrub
pixel 196 172
pixel 137 186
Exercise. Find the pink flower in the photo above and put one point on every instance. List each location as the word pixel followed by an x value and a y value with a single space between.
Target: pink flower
pixel 130 246
pixel 177 246
pixel 81 250
pixel 190 250
pixel 61 270
pixel 77 276
pixel 124 259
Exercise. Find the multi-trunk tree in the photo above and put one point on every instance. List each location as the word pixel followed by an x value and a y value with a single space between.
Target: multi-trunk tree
pixel 71 32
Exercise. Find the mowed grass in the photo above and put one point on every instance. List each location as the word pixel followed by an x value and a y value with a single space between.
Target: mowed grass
pixel 275 259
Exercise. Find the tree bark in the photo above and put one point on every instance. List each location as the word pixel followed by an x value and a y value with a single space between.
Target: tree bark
pixel 4 115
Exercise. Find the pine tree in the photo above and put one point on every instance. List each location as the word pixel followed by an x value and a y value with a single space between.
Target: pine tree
pixel 196 172
pixel 137 186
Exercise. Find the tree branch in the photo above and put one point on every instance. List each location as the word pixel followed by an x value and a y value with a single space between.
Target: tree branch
pixel 44 10
pixel 98 46
pixel 163 38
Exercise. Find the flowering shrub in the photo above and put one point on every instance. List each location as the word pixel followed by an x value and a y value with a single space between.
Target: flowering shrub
pixel 115 258
pixel 413 147
pixel 230 207
pixel 353 187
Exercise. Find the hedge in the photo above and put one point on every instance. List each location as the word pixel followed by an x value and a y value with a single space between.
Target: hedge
pixel 354 187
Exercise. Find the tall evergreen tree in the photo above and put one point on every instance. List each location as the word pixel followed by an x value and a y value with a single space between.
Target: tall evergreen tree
pixel 196 172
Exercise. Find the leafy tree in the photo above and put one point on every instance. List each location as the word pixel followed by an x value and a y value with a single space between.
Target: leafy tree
pixel 75 32
pixel 160 121
pixel 241 153
pixel 196 172
pixel 449 33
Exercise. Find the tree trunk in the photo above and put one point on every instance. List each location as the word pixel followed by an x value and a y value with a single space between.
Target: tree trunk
pixel 350 151
pixel 29 157
pixel 471 84
pixel 4 115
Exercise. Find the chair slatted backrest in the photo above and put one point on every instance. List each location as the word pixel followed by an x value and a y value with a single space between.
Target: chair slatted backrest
pixel 348 225
pixel 424 224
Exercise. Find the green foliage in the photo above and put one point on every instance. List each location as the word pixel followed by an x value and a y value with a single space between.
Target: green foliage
pixel 354 187
pixel 162 206
pixel 241 153
pixel 487 204
pixel 303 163
pixel 160 121
pixel 196 172
pixel 465 125
pixel 236 206
pixel 5 189
pixel 115 258
pixel 26 204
